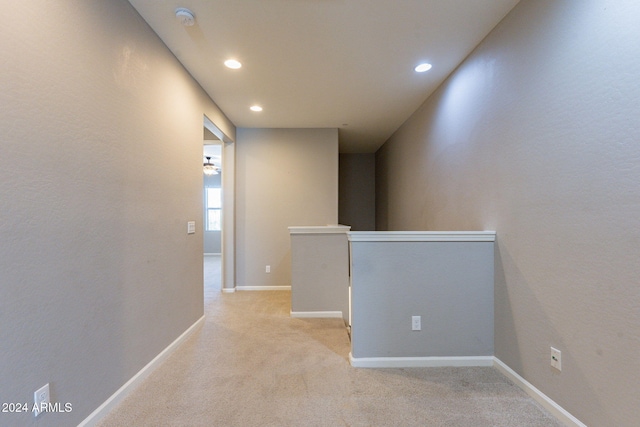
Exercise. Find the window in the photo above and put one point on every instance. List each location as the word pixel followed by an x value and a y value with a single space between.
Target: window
pixel 213 205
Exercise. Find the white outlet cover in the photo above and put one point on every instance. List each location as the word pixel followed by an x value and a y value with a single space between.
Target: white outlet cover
pixel 191 227
pixel 415 323
pixel 40 398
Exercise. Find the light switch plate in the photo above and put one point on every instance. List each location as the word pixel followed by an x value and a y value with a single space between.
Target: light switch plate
pixel 191 227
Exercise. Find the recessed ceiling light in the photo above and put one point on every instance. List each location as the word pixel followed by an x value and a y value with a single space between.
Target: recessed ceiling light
pixel 255 108
pixel 423 67
pixel 232 63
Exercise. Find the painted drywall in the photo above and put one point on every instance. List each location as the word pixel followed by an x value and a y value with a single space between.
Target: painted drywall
pixel 448 284
pixel 284 177
pixel 357 191
pixel 101 168
pixel 536 136
pixel 319 271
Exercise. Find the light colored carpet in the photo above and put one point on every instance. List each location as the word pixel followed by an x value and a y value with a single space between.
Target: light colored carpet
pixel 212 272
pixel 253 365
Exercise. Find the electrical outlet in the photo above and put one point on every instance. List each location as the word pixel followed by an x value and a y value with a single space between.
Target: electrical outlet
pixel 415 323
pixel 40 399
pixel 191 227
pixel 267 269
pixel 556 358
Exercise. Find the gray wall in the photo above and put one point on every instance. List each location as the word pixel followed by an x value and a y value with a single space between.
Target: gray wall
pixel 284 177
pixel 536 136
pixel 320 273
pixel 101 168
pixel 357 191
pixel 448 284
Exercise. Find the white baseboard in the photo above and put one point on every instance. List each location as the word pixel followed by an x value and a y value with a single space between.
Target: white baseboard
pixel 556 410
pixel 317 314
pixel 419 362
pixel 123 391
pixel 228 290
pixel 263 288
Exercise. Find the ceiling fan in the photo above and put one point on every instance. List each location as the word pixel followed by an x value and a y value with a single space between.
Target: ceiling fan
pixel 210 168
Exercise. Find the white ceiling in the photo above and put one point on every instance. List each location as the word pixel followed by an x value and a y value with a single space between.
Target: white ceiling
pixel 345 64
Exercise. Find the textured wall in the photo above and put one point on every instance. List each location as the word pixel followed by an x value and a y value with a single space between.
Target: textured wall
pixel 101 157
pixel 536 136
pixel 284 177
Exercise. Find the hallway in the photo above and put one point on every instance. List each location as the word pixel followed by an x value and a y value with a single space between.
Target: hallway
pixel 212 276
pixel 253 365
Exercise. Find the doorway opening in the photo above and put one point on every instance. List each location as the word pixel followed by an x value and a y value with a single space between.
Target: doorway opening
pixel 212 216
pixel 224 148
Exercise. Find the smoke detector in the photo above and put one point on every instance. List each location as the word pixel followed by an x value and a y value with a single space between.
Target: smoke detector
pixel 185 16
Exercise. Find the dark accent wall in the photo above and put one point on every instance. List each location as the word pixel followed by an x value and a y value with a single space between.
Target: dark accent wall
pixel 357 194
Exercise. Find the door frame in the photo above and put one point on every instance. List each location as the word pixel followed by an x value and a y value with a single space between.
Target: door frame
pixel 228 207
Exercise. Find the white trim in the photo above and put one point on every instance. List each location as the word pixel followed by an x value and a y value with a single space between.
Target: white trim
pixel 128 387
pixel 263 288
pixel 419 362
pixel 228 241
pixel 556 410
pixel 228 290
pixel 210 125
pixel 317 314
pixel 422 236
pixel 212 254
pixel 323 229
